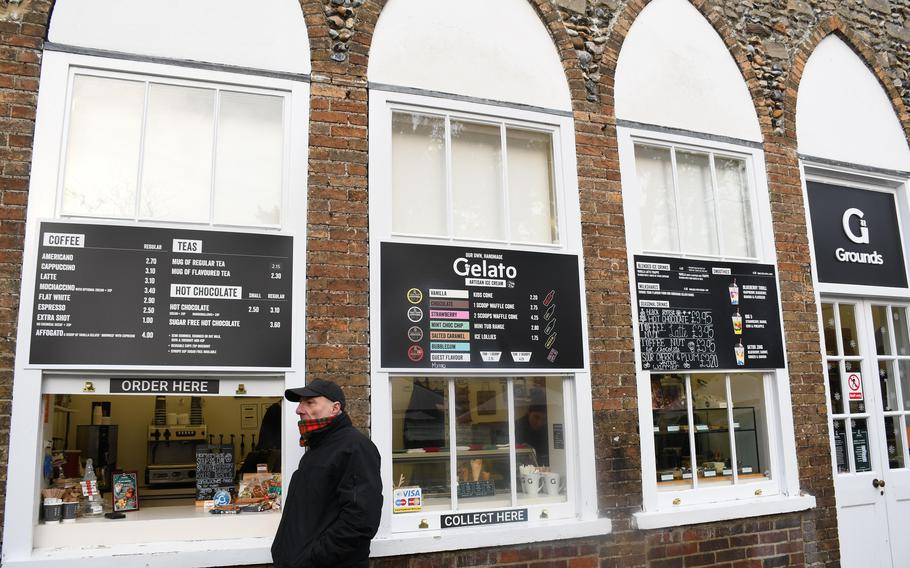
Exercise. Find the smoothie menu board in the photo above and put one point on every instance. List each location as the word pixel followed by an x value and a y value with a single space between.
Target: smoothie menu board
pixel 697 315
pixel 465 307
pixel 115 295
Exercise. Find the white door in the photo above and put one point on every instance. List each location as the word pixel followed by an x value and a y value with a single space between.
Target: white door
pixel 867 351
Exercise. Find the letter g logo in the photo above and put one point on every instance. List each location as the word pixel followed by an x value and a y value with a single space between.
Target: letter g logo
pixel 863 237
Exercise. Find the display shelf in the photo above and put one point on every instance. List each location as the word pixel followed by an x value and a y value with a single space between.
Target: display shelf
pixel 711 430
pixel 719 480
pixel 460 454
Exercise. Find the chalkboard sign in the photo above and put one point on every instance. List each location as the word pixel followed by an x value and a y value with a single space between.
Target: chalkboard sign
pixel 700 315
pixel 115 295
pixel 476 308
pixel 214 469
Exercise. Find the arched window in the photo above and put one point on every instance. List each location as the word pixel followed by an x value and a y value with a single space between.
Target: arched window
pixel 170 144
pixel 477 400
pixel 712 384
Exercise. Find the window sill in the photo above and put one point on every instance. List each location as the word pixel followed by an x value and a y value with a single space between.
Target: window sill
pixel 738 509
pixel 489 535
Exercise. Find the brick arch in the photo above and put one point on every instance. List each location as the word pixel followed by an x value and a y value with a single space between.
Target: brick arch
pixel 834 25
pixel 622 22
pixel 368 14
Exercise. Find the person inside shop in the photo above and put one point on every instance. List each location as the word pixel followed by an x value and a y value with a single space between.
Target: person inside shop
pixel 531 429
pixel 268 449
pixel 334 500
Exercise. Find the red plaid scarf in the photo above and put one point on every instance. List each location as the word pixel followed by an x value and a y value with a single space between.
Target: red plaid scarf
pixel 312 425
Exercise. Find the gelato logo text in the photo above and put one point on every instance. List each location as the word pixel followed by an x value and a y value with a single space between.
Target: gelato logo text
pixel 463 267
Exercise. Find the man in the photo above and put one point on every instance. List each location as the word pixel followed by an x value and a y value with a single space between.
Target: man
pixel 531 429
pixel 334 499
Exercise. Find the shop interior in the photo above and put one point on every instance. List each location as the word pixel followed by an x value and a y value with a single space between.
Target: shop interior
pixel 494 419
pixel 160 440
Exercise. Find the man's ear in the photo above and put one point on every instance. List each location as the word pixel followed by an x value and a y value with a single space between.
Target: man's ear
pixel 336 408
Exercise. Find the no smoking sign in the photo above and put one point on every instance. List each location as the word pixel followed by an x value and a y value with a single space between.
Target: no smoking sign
pixel 854 386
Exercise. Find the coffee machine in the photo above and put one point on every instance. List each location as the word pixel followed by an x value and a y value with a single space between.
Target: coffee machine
pixel 171 458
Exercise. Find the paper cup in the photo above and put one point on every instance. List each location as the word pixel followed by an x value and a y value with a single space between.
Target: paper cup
pixel 69 512
pixel 52 510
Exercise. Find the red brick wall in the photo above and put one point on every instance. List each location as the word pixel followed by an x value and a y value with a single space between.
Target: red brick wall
pixel 21 41
pixel 337 269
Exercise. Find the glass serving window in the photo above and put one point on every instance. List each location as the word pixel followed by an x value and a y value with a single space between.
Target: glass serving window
pixel 200 153
pixel 892 347
pixel 472 179
pixel 508 449
pixel 710 429
pixel 158 440
pixel 694 202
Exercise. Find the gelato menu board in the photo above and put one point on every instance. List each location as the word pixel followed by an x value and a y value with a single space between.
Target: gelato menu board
pixel 698 315
pixel 115 295
pixel 464 307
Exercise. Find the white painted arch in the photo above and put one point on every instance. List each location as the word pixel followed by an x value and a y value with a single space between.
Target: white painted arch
pixel 265 34
pixel 675 71
pixel 504 55
pixel 844 114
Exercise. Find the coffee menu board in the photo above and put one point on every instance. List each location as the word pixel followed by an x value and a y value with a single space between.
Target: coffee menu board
pixel 700 315
pixel 466 307
pixel 114 295
pixel 214 469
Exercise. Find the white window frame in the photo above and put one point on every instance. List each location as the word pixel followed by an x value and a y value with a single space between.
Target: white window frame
pixel 237 545
pixel 180 81
pixel 583 519
pixel 707 504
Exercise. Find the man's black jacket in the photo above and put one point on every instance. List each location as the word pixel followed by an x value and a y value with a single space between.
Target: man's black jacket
pixel 334 501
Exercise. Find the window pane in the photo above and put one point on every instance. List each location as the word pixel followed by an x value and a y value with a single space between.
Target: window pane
pixel 532 203
pixel 862 459
pixel 102 148
pixel 848 330
pixel 477 181
pixel 886 380
pixel 248 163
pixel 418 174
pixel 540 440
pixel 900 330
pixel 840 446
pixel 834 385
pixel 420 429
pixel 735 211
pixel 880 328
pixel 696 203
pixel 750 428
pixel 830 329
pixel 482 444
pixel 854 368
pixel 656 202
pixel 672 450
pixel 903 366
pixel 895 439
pixel 712 429
pixel 177 164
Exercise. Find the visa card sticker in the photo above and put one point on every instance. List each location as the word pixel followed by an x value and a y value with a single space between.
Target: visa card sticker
pixel 407 499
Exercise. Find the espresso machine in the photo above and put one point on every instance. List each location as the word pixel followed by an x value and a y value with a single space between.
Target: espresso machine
pixel 171 459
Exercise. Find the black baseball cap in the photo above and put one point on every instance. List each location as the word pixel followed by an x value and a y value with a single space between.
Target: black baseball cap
pixel 316 387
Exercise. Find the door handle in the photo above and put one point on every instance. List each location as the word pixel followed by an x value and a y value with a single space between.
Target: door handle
pixel 878 483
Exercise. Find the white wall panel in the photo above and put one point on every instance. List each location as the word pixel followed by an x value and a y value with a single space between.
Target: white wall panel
pixel 843 113
pixel 505 54
pixel 266 34
pixel 675 71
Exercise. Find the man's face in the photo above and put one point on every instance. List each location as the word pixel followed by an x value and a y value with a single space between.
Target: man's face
pixel 317 407
pixel 537 419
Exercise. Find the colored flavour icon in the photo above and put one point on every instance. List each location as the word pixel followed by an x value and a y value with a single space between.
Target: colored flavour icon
pixel 737 323
pixel 734 293
pixel 740 353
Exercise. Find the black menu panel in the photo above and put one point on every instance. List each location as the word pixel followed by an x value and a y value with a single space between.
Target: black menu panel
pixel 115 295
pixel 699 315
pixel 465 307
